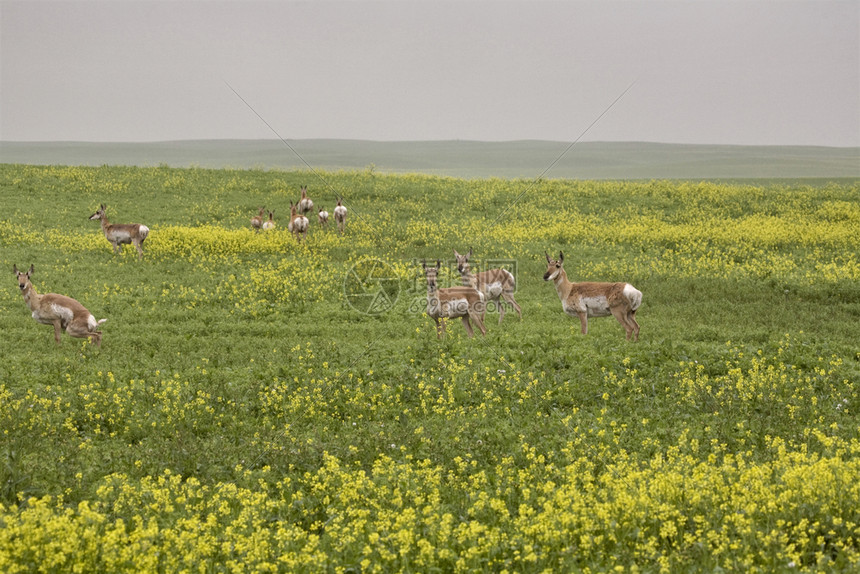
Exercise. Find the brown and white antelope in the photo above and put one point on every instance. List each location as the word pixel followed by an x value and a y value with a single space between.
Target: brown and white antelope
pixel 305 204
pixel 269 223
pixel 452 302
pixel 340 216
pixel 257 220
pixel 621 300
pixel 298 224
pixel 322 217
pixel 119 233
pixel 493 283
pixel 64 313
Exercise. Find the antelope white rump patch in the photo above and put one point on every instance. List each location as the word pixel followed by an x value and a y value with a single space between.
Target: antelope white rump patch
pixel 633 295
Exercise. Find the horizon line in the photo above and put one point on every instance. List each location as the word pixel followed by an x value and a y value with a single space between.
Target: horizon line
pixel 416 141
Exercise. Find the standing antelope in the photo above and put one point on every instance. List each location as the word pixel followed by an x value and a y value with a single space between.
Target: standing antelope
pixel 269 223
pixel 452 302
pixel 493 283
pixel 340 216
pixel 257 220
pixel 305 203
pixel 323 217
pixel 64 313
pixel 585 300
pixel 298 225
pixel 120 233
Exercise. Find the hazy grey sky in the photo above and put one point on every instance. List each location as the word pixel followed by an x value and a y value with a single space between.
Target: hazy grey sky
pixel 705 71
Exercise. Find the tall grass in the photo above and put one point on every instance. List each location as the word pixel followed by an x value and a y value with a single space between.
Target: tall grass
pixel 241 415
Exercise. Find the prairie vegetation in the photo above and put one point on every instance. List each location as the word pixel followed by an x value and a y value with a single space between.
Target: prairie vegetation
pixel 243 414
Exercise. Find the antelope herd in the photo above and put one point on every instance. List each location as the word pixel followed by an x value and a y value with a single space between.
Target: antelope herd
pixel 493 283
pixel 467 302
pixel 299 223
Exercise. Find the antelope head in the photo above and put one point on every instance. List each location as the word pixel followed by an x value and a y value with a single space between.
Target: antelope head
pixel 463 261
pixel 431 273
pixel 23 278
pixel 100 213
pixel 554 267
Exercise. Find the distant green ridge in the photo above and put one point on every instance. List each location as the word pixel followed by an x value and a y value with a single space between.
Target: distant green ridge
pixel 467 159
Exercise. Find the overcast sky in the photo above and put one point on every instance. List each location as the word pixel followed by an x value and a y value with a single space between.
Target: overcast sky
pixel 702 71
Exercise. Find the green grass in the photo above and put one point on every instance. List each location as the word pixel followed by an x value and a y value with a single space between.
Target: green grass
pixel 233 371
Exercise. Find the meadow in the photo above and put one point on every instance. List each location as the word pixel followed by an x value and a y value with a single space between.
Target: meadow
pixel 255 408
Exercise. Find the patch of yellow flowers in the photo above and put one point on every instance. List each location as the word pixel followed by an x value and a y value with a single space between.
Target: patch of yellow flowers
pixel 792 504
pixel 798 509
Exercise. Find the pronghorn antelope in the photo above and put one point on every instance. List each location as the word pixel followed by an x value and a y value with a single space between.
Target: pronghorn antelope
pixel 322 217
pixel 585 300
pixel 119 233
pixel 305 204
pixel 340 216
pixel 298 225
pixel 269 223
pixel 64 313
pixel 493 283
pixel 452 302
pixel 257 220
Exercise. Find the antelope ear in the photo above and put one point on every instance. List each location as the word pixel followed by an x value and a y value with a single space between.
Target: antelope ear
pixel 560 257
pixel 456 254
pixel 548 260
pixel 30 272
pixel 15 269
pixel 470 253
pixel 438 264
pixel 424 264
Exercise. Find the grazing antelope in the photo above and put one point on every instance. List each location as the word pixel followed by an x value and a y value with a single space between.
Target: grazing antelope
pixel 305 204
pixel 120 233
pixel 493 283
pixel 298 225
pixel 323 217
pixel 269 223
pixel 585 300
pixel 340 217
pixel 452 302
pixel 64 313
pixel 257 220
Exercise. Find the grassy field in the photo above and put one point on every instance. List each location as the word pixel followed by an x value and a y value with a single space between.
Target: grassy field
pixel 261 405
pixel 465 159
